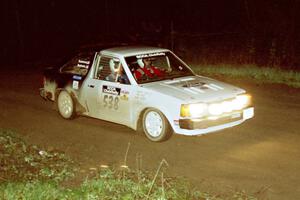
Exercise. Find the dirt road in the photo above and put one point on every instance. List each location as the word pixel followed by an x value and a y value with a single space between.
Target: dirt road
pixel 261 153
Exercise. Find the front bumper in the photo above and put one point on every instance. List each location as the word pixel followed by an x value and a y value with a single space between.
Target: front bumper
pixel 211 124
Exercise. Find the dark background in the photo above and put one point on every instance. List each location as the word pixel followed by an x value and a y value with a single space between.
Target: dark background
pixel 265 33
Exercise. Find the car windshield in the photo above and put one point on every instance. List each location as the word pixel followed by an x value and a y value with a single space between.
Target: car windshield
pixel 153 67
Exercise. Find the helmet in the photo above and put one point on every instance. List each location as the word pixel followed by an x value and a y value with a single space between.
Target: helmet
pixel 140 62
pixel 112 64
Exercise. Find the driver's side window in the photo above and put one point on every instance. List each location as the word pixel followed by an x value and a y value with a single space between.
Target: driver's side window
pixel 111 69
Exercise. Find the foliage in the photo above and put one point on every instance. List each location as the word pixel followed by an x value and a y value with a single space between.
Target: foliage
pixel 30 173
pixel 22 162
pixel 112 184
pixel 262 49
pixel 261 74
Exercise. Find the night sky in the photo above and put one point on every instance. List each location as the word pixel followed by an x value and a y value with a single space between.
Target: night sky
pixel 37 30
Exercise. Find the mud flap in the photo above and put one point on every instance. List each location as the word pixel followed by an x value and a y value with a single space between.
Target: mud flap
pixel 43 94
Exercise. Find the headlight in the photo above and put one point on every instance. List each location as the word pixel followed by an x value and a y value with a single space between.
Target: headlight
pixel 227 106
pixel 201 109
pixel 215 109
pixel 241 101
pixel 193 110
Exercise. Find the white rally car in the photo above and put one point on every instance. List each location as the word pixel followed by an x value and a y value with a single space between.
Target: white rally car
pixel 169 98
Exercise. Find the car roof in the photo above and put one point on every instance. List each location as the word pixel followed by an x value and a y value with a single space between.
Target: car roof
pixel 132 50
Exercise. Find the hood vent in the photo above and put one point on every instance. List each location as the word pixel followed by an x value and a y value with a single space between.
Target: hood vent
pixel 189 84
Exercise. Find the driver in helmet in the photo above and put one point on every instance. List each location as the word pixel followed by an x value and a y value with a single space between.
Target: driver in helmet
pixel 146 69
pixel 113 65
pixel 117 72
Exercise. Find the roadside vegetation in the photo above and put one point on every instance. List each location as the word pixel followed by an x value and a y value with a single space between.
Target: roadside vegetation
pixel 30 172
pixel 253 72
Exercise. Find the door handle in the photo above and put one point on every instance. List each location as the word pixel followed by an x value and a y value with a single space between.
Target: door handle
pixel 91 86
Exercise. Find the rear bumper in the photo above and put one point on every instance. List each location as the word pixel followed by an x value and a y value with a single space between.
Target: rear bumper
pixel 207 125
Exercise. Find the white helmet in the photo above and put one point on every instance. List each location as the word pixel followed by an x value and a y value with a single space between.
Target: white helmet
pixel 112 64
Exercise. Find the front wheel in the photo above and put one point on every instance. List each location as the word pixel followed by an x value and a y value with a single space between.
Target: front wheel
pixel 65 105
pixel 156 126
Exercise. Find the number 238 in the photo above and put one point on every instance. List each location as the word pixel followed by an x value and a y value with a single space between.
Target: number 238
pixel 111 102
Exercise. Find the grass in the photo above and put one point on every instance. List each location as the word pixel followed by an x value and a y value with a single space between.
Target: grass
pixel 260 74
pixel 29 172
pixel 113 184
pixel 22 162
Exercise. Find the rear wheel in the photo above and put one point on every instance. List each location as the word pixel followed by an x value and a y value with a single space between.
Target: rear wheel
pixel 156 126
pixel 65 105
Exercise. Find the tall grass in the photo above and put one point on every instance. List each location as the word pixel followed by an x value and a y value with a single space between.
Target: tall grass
pixel 260 74
pixel 111 185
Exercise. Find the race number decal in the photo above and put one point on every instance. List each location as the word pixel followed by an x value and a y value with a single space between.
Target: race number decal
pixel 111 102
pixel 111 97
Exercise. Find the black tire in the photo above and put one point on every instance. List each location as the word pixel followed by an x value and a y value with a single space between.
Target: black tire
pixel 156 126
pixel 66 105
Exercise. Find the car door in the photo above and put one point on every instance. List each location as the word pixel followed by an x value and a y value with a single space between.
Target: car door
pixel 107 98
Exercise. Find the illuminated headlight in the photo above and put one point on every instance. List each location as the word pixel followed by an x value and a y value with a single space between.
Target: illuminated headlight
pixel 214 109
pixel 193 110
pixel 220 108
pixel 241 101
pixel 227 106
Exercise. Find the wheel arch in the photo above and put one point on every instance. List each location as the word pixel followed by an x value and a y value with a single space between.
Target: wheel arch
pixel 163 110
pixel 78 107
pixel 68 89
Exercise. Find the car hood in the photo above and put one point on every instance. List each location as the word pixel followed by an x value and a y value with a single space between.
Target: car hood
pixel 195 89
